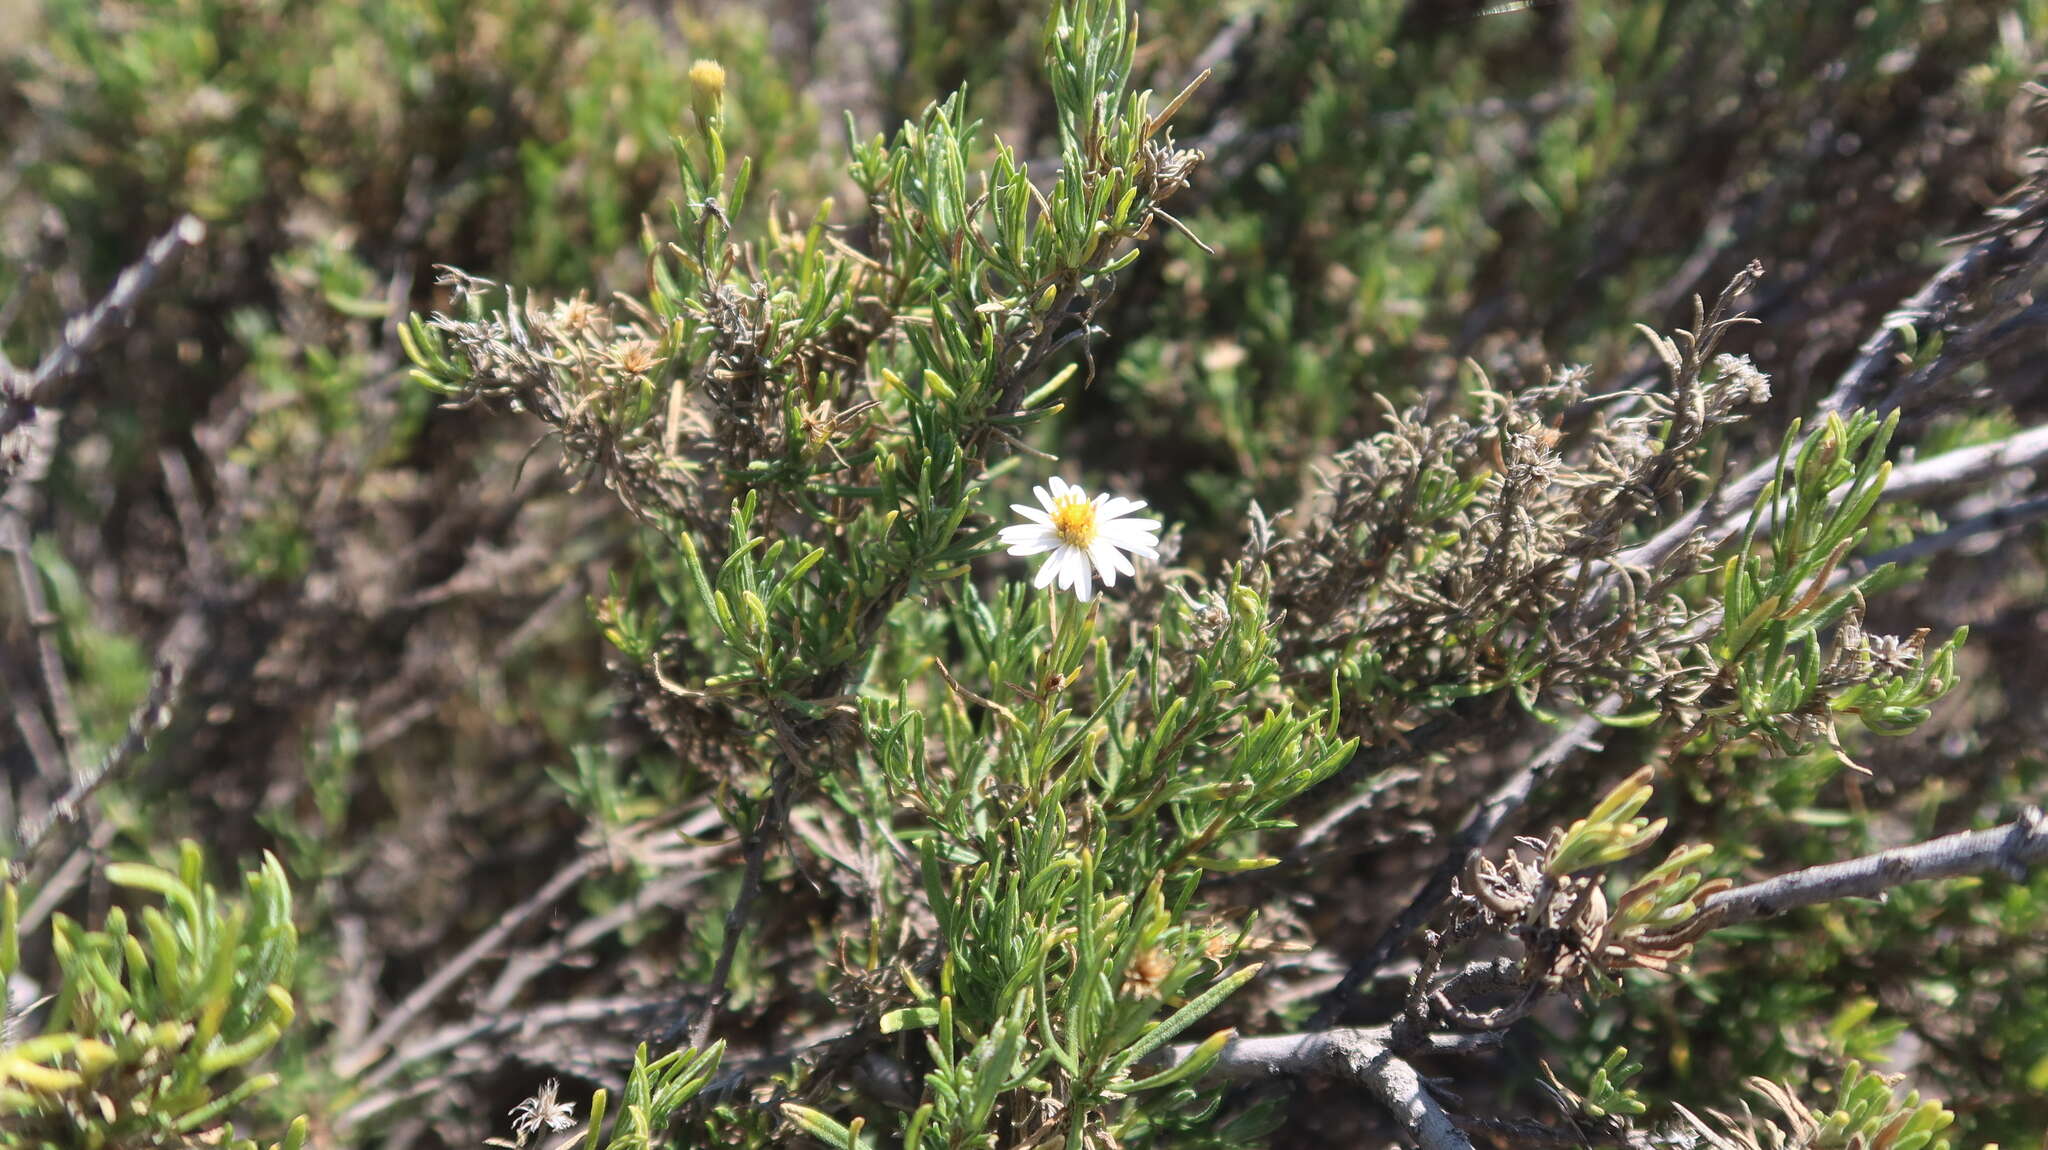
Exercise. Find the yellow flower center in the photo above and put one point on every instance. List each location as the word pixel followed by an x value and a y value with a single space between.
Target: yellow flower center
pixel 1073 520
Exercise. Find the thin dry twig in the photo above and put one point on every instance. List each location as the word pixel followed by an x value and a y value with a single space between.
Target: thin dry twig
pixel 150 717
pixel 1963 467
pixel 2009 849
pixel 1327 1052
pixel 1996 521
pixel 43 626
pixel 1937 299
pixel 1366 797
pixel 1362 1055
pixel 373 1046
pixel 766 830
pixel 1967 465
pixel 445 1039
pixel 24 391
pixel 1527 1132
pixel 523 968
pixel 24 460
pixel 1943 293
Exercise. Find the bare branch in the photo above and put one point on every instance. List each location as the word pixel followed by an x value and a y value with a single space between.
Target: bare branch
pixel 149 718
pixel 1950 469
pixel 359 1058
pixel 2009 849
pixel 24 459
pixel 1365 1054
pixel 767 827
pixel 1526 1132
pixel 16 536
pixel 1362 1055
pixel 1996 521
pixel 1967 465
pixel 1329 1052
pixel 1402 1091
pixel 1366 797
pixel 1936 300
pixel 445 1039
pixel 25 390
pixel 63 880
pixel 523 968
pixel 1962 467
pixel 43 748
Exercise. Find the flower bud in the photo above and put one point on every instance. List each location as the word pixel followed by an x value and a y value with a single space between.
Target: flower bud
pixel 707 92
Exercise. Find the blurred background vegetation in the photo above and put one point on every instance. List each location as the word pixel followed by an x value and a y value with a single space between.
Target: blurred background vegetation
pixel 402 691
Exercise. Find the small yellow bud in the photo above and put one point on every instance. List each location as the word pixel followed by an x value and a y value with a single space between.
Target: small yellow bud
pixel 707 89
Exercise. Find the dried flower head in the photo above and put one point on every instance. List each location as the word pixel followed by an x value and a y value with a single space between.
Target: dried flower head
pixel 577 314
pixel 1166 169
pixel 542 1110
pixel 1148 969
pixel 1892 653
pixel 1739 382
pixel 1082 534
pixel 635 357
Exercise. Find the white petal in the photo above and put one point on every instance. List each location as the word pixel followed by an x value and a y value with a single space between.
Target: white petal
pixel 1102 556
pixel 1109 561
pixel 1058 485
pixel 1119 506
pixel 1047 570
pixel 1148 526
pixel 1084 588
pixel 1032 547
pixel 1032 513
pixel 1130 537
pixel 1072 563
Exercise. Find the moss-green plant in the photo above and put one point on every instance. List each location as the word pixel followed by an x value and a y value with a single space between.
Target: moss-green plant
pixel 151 1036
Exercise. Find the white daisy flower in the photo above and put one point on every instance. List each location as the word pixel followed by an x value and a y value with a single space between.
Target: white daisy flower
pixel 1082 534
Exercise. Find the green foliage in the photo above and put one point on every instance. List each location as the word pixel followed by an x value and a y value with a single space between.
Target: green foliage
pixel 886 483
pixel 808 434
pixel 1062 833
pixel 151 1033
pixel 1409 182
pixel 1870 1113
pixel 1607 1093
pixel 1065 833
pixel 211 97
pixel 1778 592
pixel 654 1092
pixel 1609 833
pixel 1867 1115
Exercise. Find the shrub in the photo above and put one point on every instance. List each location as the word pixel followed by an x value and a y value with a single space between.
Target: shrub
pixel 876 835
